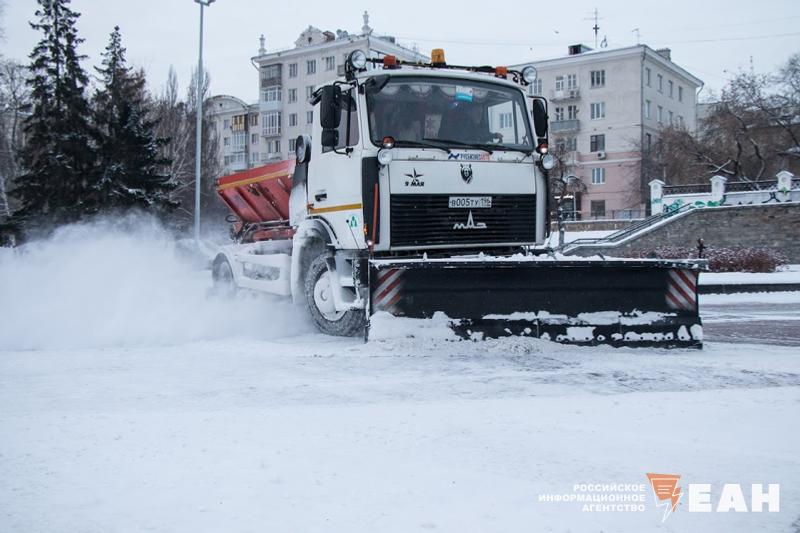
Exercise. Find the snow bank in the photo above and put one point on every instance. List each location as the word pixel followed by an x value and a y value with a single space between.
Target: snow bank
pixel 121 283
pixel 740 278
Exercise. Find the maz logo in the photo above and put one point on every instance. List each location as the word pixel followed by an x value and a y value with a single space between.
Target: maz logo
pixel 470 224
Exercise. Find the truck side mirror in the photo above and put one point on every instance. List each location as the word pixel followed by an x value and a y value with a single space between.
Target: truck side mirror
pixel 330 113
pixel 329 138
pixel 539 110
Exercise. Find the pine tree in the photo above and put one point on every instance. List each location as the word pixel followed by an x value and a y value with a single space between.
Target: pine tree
pixel 131 171
pixel 59 154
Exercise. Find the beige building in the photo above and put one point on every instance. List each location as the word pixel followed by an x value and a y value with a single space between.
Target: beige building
pixel 605 108
pixel 287 78
pixel 255 133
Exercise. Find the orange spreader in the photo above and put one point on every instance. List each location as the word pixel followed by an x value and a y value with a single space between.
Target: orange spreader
pixel 259 194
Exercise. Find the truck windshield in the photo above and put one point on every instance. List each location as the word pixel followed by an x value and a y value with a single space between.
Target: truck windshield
pixel 448 112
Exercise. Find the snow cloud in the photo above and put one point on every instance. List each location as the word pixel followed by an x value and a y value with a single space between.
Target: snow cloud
pixel 122 283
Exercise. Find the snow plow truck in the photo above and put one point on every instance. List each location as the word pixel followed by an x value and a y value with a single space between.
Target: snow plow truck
pixel 422 191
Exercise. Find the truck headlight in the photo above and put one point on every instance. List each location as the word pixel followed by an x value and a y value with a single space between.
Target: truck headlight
pixel 529 74
pixel 384 156
pixel 357 60
pixel 548 161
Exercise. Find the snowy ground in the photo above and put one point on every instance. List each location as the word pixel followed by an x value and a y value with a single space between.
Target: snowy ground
pixel 132 403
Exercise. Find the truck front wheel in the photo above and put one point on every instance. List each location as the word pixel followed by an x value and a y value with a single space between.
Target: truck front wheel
pixel 319 300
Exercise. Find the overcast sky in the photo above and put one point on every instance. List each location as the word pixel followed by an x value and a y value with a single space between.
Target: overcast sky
pixel 709 38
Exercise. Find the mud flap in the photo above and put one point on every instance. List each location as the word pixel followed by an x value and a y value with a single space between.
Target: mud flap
pixel 613 302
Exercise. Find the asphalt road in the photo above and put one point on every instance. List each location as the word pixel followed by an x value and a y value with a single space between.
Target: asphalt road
pixel 762 323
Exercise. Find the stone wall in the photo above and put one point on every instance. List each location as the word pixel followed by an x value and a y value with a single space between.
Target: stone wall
pixel 773 226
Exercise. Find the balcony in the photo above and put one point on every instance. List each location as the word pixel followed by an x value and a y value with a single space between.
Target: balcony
pixel 270 106
pixel 271 131
pixel 565 94
pixel 564 126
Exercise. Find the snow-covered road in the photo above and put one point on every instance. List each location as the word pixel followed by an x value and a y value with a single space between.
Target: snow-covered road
pixel 130 403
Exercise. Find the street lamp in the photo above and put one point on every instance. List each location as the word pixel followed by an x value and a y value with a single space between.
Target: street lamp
pixel 199 125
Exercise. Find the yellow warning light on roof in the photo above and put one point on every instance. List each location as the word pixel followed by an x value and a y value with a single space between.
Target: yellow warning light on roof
pixel 437 56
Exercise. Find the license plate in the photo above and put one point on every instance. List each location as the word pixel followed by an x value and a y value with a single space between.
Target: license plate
pixel 470 202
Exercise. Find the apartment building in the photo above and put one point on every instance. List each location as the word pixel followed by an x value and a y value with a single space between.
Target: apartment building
pixel 606 108
pixel 287 78
pixel 237 127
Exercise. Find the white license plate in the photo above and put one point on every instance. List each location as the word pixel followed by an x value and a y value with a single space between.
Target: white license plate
pixel 470 202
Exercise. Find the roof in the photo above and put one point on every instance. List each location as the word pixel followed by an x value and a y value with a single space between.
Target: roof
pixel 592 56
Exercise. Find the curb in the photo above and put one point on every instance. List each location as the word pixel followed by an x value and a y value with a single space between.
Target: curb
pixel 732 288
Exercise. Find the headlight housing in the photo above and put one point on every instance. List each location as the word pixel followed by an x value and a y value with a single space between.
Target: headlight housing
pixel 529 74
pixel 357 60
pixel 385 156
pixel 548 161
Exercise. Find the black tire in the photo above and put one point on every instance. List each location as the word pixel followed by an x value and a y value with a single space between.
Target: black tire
pixel 341 324
pixel 222 275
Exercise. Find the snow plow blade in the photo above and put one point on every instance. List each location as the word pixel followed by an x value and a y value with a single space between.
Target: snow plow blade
pixel 616 302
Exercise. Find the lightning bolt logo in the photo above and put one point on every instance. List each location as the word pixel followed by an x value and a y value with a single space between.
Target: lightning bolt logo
pixel 666 491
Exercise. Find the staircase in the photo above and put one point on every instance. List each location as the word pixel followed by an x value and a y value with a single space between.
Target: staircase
pixel 629 232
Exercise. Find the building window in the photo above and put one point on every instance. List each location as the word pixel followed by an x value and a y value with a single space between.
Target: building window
pixel 598 78
pixel 226 141
pixel 330 63
pixel 647 76
pixel 505 120
pixel 255 157
pixel 660 80
pixel 670 88
pixel 271 124
pixel 572 81
pixel 597 143
pixel 559 83
pixel 309 117
pixel 660 114
pixel 681 123
pixel 239 141
pixel 648 141
pixel 292 145
pixel 254 119
pixel 293 119
pixel 309 91
pixel 292 95
pixel 572 144
pixel 254 138
pixel 293 70
pixel 559 113
pixel 647 107
pixel 311 66
pixel 272 71
pixel 671 118
pixel 227 124
pixel 272 94
pixel 680 93
pixel 572 112
pixel 598 208
pixel 536 87
pixel 598 176
pixel 598 110
pixel 238 122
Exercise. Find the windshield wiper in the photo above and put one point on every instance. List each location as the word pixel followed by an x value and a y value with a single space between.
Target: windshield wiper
pixel 486 147
pixel 426 143
pixel 483 147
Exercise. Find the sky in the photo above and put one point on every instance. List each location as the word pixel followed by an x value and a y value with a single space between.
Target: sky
pixel 709 38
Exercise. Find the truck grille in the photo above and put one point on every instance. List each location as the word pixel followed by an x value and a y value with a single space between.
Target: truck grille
pixel 426 220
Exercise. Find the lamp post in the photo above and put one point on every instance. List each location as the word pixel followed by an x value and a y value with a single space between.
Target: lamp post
pixel 199 125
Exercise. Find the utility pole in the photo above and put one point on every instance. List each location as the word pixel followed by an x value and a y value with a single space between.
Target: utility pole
pixel 199 125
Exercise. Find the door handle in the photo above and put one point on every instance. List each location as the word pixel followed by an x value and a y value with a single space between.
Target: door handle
pixel 320 196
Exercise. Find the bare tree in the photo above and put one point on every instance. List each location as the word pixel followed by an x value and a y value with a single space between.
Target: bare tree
pixel 749 134
pixel 14 101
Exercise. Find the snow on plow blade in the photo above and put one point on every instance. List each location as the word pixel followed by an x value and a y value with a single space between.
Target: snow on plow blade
pixel 614 302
